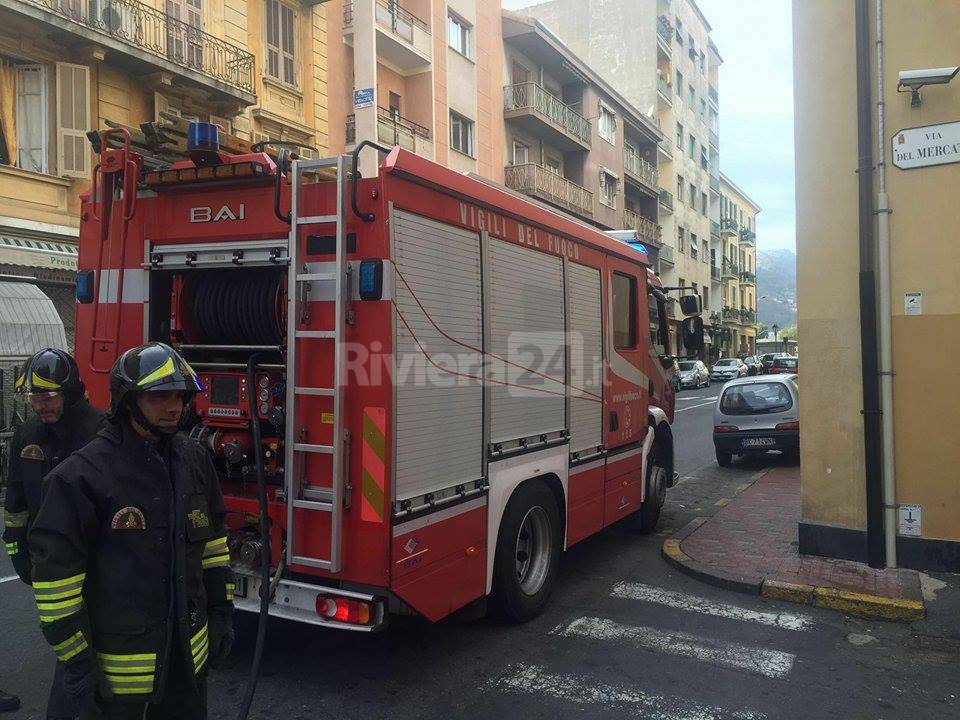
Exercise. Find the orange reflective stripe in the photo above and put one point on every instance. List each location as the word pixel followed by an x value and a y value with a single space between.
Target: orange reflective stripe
pixel 374 466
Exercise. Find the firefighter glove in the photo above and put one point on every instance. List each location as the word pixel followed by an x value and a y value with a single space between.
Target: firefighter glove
pixel 21 564
pixel 82 680
pixel 221 638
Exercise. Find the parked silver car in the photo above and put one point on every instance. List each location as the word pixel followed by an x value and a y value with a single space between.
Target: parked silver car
pixel 757 414
pixel 694 374
pixel 728 369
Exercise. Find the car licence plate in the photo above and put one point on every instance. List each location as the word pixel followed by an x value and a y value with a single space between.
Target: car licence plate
pixel 758 442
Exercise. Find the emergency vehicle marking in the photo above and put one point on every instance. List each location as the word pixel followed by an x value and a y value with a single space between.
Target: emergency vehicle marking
pixel 205 214
pixel 374 470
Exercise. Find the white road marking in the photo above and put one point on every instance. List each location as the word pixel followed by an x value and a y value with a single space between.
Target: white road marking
pixel 770 663
pixel 8 579
pixel 692 603
pixel 524 678
pixel 698 398
pixel 691 407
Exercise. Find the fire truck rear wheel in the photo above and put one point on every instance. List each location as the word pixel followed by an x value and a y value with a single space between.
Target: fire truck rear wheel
pixel 528 554
pixel 646 518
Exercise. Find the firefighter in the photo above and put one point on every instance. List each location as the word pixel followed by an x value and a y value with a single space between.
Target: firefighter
pixel 131 567
pixel 64 421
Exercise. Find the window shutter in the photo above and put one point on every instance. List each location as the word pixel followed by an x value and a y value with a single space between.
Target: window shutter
pixel 73 120
pixel 32 118
pixel 225 125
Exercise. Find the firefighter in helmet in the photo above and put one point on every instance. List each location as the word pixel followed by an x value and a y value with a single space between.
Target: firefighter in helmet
pixel 63 421
pixel 131 567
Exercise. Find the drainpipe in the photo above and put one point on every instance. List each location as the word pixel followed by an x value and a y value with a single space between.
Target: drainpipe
pixel 869 350
pixel 886 335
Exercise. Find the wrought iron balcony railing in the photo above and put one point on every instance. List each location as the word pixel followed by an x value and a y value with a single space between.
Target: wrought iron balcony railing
pixel 731 315
pixel 399 16
pixel 545 184
pixel 534 98
pixel 748 278
pixel 747 235
pixel 155 32
pixel 394 129
pixel 634 163
pixel 748 317
pixel 729 225
pixel 730 270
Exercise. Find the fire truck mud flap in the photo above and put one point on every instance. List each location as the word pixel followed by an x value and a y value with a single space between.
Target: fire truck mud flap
pixel 310 603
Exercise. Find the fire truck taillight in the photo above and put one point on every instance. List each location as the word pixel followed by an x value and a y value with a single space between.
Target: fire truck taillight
pixel 345 610
pixel 203 174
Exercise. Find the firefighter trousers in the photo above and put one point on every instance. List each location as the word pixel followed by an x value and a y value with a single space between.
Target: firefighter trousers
pixel 60 704
pixel 182 700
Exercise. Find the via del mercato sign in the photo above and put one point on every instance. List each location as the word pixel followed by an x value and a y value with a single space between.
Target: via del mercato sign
pixel 929 145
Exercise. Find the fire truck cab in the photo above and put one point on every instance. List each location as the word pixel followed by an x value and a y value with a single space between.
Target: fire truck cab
pixel 450 384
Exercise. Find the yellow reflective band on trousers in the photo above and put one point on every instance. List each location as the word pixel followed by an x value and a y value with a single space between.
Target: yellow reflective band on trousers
pixel 200 649
pixel 12 548
pixel 231 589
pixel 129 674
pixel 15 519
pixel 57 599
pixel 71 647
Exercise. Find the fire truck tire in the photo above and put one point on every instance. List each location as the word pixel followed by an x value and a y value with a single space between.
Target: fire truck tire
pixel 528 554
pixel 646 518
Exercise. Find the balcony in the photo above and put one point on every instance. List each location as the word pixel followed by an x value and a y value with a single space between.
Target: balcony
pixel 715 229
pixel 715 184
pixel 664 34
pixel 403 39
pixel 715 273
pixel 748 236
pixel 393 129
pixel 666 254
pixel 729 226
pixel 644 172
pixel 152 40
pixel 714 96
pixel 647 230
pixel 714 139
pixel 748 317
pixel 665 92
pixel 665 148
pixel 539 182
pixel 538 112
pixel 748 278
pixel 666 200
pixel 730 315
pixel 730 270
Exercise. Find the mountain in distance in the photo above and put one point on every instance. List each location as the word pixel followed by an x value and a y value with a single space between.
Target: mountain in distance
pixel 777 280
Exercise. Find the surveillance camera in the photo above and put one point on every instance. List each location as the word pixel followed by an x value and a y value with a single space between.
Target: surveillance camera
pixel 916 79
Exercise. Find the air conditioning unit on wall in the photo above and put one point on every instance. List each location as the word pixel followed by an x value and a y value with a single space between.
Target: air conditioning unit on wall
pixel 116 17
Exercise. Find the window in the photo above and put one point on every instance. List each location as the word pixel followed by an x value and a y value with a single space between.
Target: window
pixel 680 136
pixel 706 298
pixel 658 342
pixel 703 63
pixel 461 134
pixel 27 121
pixel 692 142
pixel 678 23
pixel 693 196
pixel 680 186
pixel 183 43
pixel 703 108
pixel 554 165
pixel 624 311
pixel 694 247
pixel 704 204
pixel 607 126
pixel 679 83
pixel 705 256
pixel 681 241
pixel 608 189
pixel 281 45
pixel 521 153
pixel 394 105
pixel 691 96
pixel 458 34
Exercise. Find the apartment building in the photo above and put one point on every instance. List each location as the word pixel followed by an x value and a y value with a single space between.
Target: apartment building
pixel 734 261
pixel 843 325
pixel 658 55
pixel 422 74
pixel 256 67
pixel 572 141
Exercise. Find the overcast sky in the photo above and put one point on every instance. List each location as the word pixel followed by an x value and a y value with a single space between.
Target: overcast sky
pixel 756 107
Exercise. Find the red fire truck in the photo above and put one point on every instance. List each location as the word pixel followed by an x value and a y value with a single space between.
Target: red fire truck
pixel 437 385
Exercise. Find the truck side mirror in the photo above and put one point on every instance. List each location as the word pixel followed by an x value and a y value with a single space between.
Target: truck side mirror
pixel 692 330
pixel 691 305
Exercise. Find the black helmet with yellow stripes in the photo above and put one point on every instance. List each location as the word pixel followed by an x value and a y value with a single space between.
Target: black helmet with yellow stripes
pixel 51 371
pixel 154 367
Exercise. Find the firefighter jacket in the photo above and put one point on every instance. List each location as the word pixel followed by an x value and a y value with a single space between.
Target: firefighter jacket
pixel 36 449
pixel 130 558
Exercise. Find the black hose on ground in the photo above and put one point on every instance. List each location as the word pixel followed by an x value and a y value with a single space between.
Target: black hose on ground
pixel 265 587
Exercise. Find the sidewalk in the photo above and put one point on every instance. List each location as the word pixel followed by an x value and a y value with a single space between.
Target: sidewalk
pixel 751 546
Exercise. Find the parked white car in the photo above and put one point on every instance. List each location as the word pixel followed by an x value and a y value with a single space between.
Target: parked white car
pixel 728 369
pixel 694 374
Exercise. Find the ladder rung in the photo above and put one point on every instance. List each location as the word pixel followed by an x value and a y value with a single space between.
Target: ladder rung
pixel 312 562
pixel 316 219
pixel 316 334
pixel 313 505
pixel 311 277
pixel 323 392
pixel 306 447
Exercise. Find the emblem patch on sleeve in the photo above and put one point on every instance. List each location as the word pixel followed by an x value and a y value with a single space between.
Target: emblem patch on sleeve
pixel 129 518
pixel 198 519
pixel 32 452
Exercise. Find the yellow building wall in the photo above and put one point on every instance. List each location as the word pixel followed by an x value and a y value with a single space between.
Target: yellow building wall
pixel 925 257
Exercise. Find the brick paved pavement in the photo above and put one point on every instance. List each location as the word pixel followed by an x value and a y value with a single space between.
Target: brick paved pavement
pixel 755 535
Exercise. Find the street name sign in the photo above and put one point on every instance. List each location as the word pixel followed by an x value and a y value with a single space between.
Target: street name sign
pixel 929 145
